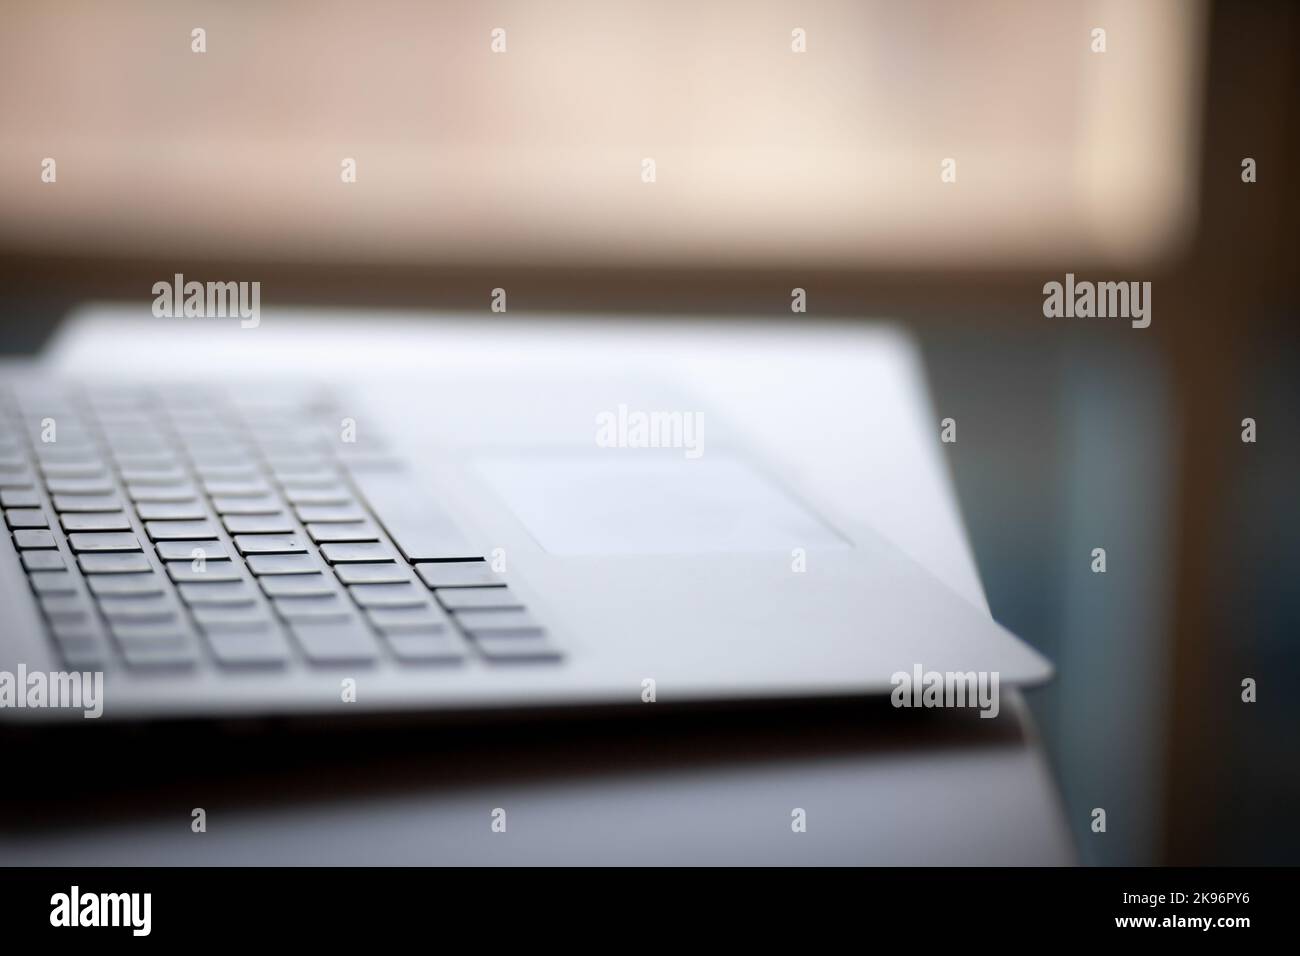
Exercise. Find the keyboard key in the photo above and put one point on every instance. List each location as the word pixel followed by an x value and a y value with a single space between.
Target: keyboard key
pixel 226 617
pixel 113 563
pixel 139 609
pixel 330 514
pixel 179 530
pixel 507 649
pixel 455 599
pixel 265 505
pixel 156 633
pixel 195 593
pixel 261 564
pixel 393 620
pixel 248 648
pixel 219 570
pixel 248 488
pixel 147 583
pixel 458 574
pixel 66 503
pixel 259 524
pixel 95 521
pixel 331 495
pixel 421 530
pixel 388 573
pixel 104 541
pixel 26 518
pixel 181 491
pixel 269 544
pixel 284 585
pixel 89 468
pixel 314 607
pixel 496 622
pixel 325 642
pixel 144 474
pixel 81 649
pixel 42 560
pixel 62 607
pixel 184 550
pixel 351 531
pixel 151 657
pixel 53 582
pixel 414 646
pixel 360 552
pixel 170 510
pixel 34 539
pixel 389 595
pixel 79 486
pixel 20 498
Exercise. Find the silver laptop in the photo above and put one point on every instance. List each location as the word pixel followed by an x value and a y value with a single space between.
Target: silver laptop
pixel 222 546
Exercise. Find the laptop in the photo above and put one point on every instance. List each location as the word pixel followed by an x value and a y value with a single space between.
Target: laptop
pixel 226 537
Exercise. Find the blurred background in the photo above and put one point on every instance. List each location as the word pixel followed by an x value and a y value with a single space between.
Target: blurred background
pixel 775 169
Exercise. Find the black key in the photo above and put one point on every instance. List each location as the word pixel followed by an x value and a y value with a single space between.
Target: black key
pixel 184 550
pixel 248 648
pixel 34 539
pixel 189 571
pixel 261 564
pixel 389 595
pixel 20 498
pixel 325 642
pixel 269 544
pixel 147 583
pixel 387 573
pixel 353 553
pixel 455 599
pixel 179 530
pixel 421 530
pixel 42 560
pixel 95 521
pixel 458 574
pixel 26 518
pixel 104 541
pixel 170 510
pixel 113 563
pixel 415 646
pixel 66 503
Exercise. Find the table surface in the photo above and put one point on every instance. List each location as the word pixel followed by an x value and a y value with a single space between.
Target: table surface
pixel 710 787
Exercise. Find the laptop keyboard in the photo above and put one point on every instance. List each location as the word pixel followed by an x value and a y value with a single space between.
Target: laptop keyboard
pixel 186 528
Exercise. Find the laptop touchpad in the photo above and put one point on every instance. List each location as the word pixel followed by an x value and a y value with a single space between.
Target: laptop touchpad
pixel 634 502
